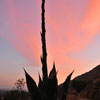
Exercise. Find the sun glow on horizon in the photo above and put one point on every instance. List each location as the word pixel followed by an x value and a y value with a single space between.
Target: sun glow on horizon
pixel 72 33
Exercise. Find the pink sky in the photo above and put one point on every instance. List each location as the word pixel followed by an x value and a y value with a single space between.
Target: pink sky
pixel 73 31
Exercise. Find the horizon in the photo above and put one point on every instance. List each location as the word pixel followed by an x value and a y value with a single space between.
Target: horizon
pixel 72 38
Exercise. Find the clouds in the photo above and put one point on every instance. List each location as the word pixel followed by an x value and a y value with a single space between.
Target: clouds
pixel 20 30
pixel 69 29
pixel 91 22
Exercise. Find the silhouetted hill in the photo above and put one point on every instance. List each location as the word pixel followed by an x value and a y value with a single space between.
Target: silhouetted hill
pixel 91 75
pixel 86 86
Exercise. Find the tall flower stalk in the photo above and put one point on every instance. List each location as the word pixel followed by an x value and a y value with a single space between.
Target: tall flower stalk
pixel 44 52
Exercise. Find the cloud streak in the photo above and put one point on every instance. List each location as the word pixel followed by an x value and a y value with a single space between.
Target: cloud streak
pixel 65 33
pixel 91 22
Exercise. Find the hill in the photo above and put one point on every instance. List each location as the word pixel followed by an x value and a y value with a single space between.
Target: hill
pixel 86 86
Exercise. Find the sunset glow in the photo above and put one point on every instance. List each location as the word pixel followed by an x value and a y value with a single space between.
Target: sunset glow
pixel 72 37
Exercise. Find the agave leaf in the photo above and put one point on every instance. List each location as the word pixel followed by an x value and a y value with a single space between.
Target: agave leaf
pixel 52 84
pixel 40 80
pixel 42 89
pixel 32 87
pixel 67 81
pixel 53 72
pixel 66 85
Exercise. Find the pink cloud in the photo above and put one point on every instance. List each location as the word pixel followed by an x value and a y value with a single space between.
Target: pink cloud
pixel 25 37
pixel 22 35
pixel 64 34
pixel 91 22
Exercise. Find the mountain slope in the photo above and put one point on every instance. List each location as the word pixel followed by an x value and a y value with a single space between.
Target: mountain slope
pixel 91 75
pixel 86 86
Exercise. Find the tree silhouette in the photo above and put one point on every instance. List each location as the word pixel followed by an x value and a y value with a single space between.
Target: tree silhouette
pixel 48 88
pixel 19 85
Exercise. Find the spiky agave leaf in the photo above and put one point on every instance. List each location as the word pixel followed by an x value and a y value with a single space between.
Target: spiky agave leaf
pixel 66 85
pixel 52 84
pixel 40 80
pixel 32 87
pixel 52 72
pixel 42 89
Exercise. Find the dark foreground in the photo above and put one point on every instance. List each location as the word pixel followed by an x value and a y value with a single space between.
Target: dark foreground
pixel 14 95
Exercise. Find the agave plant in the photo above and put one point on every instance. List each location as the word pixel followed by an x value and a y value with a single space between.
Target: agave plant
pixel 48 88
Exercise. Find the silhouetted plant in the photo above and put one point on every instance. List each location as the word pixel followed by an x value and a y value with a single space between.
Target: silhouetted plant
pixel 19 85
pixel 48 88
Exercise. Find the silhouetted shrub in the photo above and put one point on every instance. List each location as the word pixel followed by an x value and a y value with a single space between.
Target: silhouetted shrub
pixel 19 84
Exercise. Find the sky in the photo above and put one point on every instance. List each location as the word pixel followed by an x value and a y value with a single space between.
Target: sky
pixel 72 37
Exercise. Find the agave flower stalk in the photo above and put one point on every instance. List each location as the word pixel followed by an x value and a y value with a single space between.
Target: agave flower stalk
pixel 44 52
